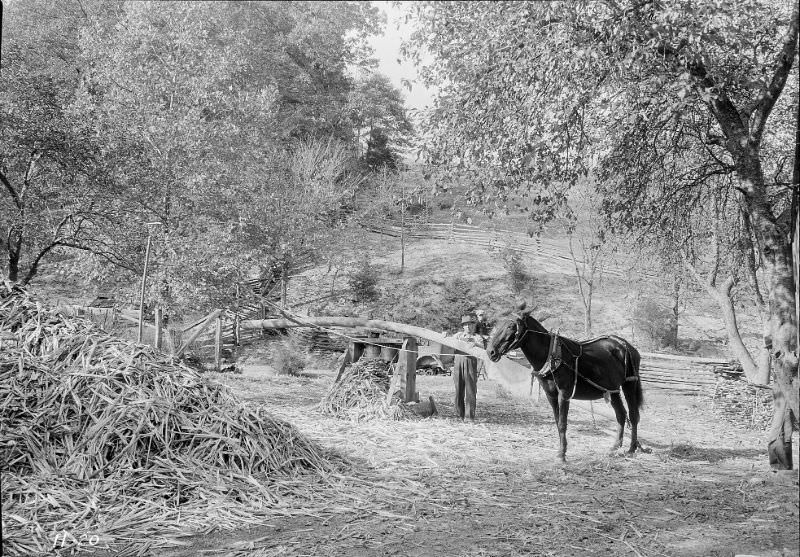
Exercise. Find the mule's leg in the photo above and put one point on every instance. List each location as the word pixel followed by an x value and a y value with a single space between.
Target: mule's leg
pixel 632 393
pixel 563 411
pixel 554 400
pixel 619 411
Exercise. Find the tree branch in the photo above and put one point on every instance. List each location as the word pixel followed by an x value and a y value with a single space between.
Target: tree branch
pixel 782 65
pixel 12 192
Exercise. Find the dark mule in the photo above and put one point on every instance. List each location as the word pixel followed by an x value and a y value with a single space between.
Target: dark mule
pixel 570 369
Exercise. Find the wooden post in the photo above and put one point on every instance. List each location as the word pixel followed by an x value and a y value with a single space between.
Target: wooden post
pixel 236 319
pixel 157 341
pixel 348 358
pixel 218 346
pixel 144 282
pixel 407 369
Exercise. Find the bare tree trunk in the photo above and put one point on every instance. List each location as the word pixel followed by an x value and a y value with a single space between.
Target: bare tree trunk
pixel 676 298
pixel 587 310
pixel 333 281
pixel 284 280
pixel 586 293
pixel 722 295
pixel 402 247
pixel 402 226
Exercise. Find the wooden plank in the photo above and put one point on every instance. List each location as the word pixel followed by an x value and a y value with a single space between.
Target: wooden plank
pixel 701 379
pixel 218 346
pixel 669 373
pixel 348 358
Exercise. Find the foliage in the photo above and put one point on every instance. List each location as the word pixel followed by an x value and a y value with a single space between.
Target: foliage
pixel 161 123
pixel 519 279
pixel 378 154
pixel 288 357
pixel 655 322
pixel 376 104
pixel 56 192
pixel 457 300
pixel 536 91
pixel 363 281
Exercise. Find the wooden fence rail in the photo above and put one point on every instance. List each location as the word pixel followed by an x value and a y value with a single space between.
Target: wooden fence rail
pixel 494 239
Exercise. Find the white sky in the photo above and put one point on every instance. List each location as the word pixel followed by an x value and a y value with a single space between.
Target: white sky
pixel 387 51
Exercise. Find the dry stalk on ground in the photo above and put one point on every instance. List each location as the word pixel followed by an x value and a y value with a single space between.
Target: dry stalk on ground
pixel 102 435
pixel 360 394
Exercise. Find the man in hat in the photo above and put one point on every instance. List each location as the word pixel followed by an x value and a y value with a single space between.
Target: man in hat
pixel 482 326
pixel 465 370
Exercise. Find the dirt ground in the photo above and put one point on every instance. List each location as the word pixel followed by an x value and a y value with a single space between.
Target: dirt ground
pixel 493 487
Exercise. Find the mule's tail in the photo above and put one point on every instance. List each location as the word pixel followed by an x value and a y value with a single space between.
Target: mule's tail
pixel 634 359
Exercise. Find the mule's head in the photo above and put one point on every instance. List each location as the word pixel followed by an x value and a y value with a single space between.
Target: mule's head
pixel 507 334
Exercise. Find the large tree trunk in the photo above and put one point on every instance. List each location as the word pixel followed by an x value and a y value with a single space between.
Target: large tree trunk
pixel 775 246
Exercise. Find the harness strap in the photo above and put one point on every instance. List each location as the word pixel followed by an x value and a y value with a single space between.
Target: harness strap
pixel 552 356
pixel 598 387
pixel 553 362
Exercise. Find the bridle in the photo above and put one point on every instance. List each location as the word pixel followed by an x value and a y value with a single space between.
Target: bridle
pixel 553 360
pixel 519 336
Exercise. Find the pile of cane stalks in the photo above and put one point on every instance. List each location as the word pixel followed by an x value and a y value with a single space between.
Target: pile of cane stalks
pixel 361 394
pixel 105 443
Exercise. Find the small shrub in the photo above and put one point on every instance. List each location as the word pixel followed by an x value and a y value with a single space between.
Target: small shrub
pixel 288 358
pixel 654 322
pixel 364 281
pixel 519 278
pixel 457 301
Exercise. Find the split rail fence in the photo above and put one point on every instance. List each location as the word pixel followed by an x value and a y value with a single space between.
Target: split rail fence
pixel 540 246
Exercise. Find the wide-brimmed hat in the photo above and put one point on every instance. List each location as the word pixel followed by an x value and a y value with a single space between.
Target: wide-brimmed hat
pixel 466 319
pixel 479 312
